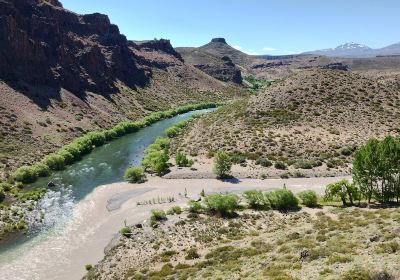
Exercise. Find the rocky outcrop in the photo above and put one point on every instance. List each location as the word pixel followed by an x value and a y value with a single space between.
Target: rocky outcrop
pixel 162 45
pixel 225 71
pixel 44 44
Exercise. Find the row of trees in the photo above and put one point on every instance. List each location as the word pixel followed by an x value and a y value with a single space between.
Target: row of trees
pixel 376 169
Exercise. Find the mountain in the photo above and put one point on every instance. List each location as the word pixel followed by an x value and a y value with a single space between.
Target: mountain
pixel 357 51
pixel 63 74
pixel 218 59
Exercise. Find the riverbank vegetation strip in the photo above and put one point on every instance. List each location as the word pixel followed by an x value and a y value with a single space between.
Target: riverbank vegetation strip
pixel 83 145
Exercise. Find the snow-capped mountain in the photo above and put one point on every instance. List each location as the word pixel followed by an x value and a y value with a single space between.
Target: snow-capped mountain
pixel 357 50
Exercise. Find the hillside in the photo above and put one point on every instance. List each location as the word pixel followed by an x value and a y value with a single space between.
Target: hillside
pixel 312 122
pixel 62 74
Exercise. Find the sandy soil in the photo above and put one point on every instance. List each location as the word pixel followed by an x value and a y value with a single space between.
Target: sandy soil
pixel 97 219
pixel 202 169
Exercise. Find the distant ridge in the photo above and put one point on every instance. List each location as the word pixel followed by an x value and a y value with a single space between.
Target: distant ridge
pixel 355 50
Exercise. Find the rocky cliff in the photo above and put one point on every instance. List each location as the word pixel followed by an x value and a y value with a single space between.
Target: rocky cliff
pixel 63 74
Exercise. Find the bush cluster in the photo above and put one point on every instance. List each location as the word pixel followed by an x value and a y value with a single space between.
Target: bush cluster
pixel 134 175
pixel 85 144
pixel 282 199
pixel 221 204
pixel 308 198
pixel 156 156
pixel 264 162
pixel 256 200
pixel 182 160
pixel 156 216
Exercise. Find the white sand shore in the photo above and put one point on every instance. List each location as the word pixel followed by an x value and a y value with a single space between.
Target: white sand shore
pixel 101 214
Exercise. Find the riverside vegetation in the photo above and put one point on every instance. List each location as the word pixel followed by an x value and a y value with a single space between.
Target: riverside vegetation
pixel 16 200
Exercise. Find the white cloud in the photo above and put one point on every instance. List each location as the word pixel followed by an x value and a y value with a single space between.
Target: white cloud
pixel 237 47
pixel 251 52
pixel 268 49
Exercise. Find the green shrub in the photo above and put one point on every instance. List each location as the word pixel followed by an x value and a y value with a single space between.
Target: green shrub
pixel 110 135
pixel 25 174
pixel 174 210
pixel 192 254
pixel 96 138
pixel 156 216
pixel 88 267
pixel 222 204
pixel 222 164
pixel 195 207
pixel 67 156
pixel 41 169
pixel 280 165
pixel 344 190
pixel 282 199
pixel 126 231
pixel 54 161
pixel 238 159
pixel 156 156
pixel 264 162
pixel 256 200
pixel 5 186
pixel 308 198
pixel 134 175
pixel 182 160
pixel 73 149
pixel 172 131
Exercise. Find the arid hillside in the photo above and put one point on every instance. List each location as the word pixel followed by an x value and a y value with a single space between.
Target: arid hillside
pixel 62 74
pixel 310 122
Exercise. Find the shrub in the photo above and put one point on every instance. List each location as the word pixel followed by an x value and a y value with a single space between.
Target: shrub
pixel 282 199
pixel 343 190
pixel 156 216
pixel 308 198
pixel 110 135
pixel 280 165
pixel 222 164
pixel 172 131
pixel 256 200
pixel 195 207
pixel 24 174
pixel 174 210
pixel 192 254
pixel 182 160
pixel 54 161
pixel 156 156
pixel 67 156
pixel 5 186
pixel 222 204
pixel 73 149
pixel 126 231
pixel 41 169
pixel 84 145
pixel 2 195
pixel 134 175
pixel 96 138
pixel 263 162
pixel 238 159
pixel 88 267
pixel 356 273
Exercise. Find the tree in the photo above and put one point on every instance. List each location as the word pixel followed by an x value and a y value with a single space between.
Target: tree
pixel 222 204
pixel 134 175
pixel 222 164
pixel 256 199
pixel 343 190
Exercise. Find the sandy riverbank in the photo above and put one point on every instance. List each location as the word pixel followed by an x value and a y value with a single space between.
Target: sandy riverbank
pixel 97 218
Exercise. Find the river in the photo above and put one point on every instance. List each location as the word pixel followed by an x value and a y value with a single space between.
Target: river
pixel 45 252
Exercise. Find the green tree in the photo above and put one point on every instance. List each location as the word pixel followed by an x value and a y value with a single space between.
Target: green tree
pixel 134 175
pixel 343 190
pixel 222 164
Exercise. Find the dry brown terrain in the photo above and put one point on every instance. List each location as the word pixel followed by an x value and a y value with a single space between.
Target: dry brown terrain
pixel 328 243
pixel 313 119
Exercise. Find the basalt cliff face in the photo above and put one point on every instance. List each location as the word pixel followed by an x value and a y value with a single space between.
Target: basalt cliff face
pixel 63 74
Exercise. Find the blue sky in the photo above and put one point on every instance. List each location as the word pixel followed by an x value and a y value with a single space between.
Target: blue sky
pixel 254 26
